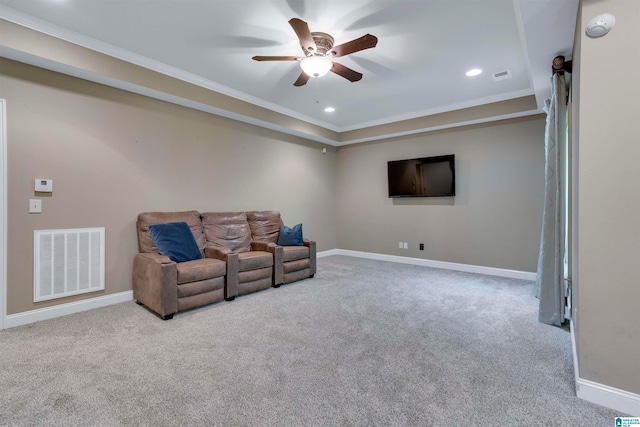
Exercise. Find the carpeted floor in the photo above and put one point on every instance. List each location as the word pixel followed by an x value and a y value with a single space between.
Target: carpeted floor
pixel 364 343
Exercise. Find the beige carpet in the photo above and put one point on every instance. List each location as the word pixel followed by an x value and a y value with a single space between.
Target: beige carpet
pixel 364 343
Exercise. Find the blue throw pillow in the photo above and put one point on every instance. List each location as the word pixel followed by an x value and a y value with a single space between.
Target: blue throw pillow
pixel 290 236
pixel 175 240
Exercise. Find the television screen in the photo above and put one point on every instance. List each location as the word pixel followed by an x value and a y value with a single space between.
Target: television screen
pixel 424 177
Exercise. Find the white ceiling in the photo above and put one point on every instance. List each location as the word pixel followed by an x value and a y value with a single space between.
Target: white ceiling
pixel 417 69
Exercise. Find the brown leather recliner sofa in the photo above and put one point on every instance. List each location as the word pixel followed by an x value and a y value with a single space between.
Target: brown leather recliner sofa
pixel 240 255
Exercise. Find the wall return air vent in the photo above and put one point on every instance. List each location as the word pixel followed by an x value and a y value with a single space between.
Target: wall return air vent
pixel 68 262
pixel 501 75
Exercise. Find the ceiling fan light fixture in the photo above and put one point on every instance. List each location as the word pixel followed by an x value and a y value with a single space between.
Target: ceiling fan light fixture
pixel 319 51
pixel 316 66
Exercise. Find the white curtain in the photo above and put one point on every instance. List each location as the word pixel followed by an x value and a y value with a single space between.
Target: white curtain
pixel 550 277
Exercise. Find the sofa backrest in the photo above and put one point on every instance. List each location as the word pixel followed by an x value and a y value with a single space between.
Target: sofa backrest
pixel 227 229
pixel 192 218
pixel 265 225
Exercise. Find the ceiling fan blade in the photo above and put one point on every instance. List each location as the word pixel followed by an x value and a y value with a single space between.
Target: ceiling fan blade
pixel 365 42
pixel 347 73
pixel 275 58
pixel 302 31
pixel 302 80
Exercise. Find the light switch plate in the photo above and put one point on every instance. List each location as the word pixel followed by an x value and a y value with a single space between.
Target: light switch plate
pixel 35 205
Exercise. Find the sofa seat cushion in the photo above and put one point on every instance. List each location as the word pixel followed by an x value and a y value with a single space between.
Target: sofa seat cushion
pixel 254 260
pixel 292 253
pixel 200 269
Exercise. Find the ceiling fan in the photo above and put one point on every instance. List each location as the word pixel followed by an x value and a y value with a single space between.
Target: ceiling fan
pixel 318 53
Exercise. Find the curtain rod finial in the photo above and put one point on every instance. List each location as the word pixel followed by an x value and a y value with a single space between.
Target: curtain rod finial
pixel 560 65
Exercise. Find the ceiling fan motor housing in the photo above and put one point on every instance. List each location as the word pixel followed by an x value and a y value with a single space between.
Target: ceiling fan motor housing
pixel 324 43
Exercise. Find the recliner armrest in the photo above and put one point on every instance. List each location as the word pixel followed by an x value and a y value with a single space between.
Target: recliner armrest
pixel 157 258
pixel 278 258
pixel 216 252
pixel 155 283
pixel 312 255
pixel 233 275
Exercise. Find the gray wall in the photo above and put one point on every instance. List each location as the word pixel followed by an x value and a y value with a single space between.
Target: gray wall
pixel 493 221
pixel 608 227
pixel 112 155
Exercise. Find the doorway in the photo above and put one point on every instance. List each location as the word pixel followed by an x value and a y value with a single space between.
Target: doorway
pixel 3 212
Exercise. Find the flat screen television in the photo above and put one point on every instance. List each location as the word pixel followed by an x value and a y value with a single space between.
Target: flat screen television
pixel 423 177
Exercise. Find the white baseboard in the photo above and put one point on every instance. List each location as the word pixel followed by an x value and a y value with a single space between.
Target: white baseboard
pixel 610 397
pixel 327 253
pixel 574 350
pixel 490 271
pixel 46 313
pixel 603 395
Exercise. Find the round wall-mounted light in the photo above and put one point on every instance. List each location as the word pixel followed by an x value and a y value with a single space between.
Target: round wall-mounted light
pixel 316 66
pixel 601 25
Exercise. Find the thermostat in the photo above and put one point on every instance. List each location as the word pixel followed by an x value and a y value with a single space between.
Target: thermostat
pixel 44 185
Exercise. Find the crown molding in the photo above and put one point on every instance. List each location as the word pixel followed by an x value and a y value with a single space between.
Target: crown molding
pixel 519 114
pixel 99 46
pixel 438 110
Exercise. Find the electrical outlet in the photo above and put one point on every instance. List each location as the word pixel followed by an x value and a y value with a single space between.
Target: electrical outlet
pixel 422 246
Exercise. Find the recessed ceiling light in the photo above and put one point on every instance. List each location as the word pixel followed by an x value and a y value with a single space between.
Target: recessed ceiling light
pixel 473 72
pixel 329 109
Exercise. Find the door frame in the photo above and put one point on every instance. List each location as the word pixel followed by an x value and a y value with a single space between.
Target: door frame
pixel 3 212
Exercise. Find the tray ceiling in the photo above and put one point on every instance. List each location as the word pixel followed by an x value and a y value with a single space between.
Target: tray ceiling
pixel 417 69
